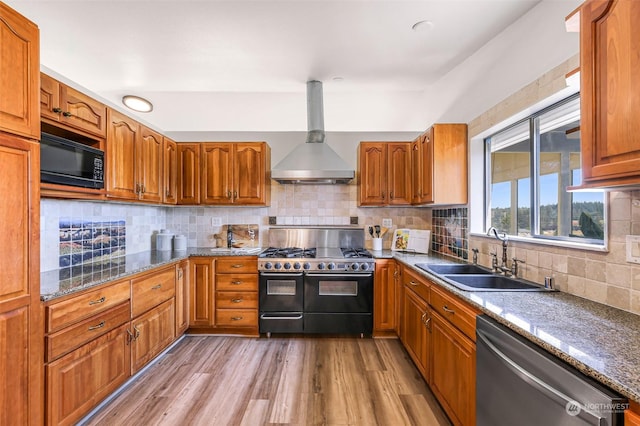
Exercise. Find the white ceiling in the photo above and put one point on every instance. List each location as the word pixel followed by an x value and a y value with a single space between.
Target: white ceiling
pixel 242 65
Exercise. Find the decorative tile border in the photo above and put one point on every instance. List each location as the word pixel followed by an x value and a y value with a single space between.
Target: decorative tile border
pixel 93 243
pixel 450 232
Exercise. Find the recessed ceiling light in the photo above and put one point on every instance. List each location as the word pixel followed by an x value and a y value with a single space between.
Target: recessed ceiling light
pixel 137 103
pixel 338 78
pixel 422 26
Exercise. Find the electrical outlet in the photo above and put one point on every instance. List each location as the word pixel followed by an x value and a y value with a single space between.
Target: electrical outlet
pixel 633 248
pixel 387 223
pixel 216 221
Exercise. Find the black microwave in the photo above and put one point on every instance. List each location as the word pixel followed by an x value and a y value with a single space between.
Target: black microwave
pixel 65 162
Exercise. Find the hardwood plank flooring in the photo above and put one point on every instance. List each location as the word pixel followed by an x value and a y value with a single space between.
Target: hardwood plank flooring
pixel 221 380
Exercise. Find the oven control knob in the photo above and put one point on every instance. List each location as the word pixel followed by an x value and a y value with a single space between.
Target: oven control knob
pixel 287 265
pixel 321 265
pixel 364 266
pixel 331 266
pixel 306 266
pixel 355 266
pixel 278 265
pixel 296 265
pixel 268 265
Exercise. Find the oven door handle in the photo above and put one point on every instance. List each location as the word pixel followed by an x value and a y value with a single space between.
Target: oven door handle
pixel 339 275
pixel 284 274
pixel 266 316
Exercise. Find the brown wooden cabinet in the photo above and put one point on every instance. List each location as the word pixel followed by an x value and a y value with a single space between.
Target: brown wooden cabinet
pixel 631 418
pixel 169 171
pixel 152 332
pixel 134 158
pixel 384 173
pixel 82 378
pixel 188 173
pixel 21 339
pixel 20 74
pixel 384 297
pixel 64 106
pixel 415 319
pixel 609 93
pixel 235 173
pixel 182 297
pixel 439 163
pixel 202 292
pixel 237 294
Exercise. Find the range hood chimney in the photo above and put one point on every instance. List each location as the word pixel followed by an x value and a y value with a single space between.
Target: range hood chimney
pixel 313 162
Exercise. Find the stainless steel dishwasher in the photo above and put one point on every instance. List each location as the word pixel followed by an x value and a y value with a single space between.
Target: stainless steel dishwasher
pixel 518 383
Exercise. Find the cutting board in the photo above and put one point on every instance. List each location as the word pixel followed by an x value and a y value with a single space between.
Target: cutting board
pixel 411 240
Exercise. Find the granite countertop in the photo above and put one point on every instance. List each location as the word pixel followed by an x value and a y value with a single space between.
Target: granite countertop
pixel 61 282
pixel 600 341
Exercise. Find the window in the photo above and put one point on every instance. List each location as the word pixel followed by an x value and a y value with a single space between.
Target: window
pixel 529 165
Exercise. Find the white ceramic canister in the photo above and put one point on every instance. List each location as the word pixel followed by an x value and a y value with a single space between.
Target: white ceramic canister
pixel 163 240
pixel 179 242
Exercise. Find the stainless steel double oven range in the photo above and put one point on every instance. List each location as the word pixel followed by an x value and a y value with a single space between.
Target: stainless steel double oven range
pixel 316 280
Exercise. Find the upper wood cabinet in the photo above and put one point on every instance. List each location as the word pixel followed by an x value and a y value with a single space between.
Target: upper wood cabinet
pixel 224 173
pixel 21 339
pixel 439 162
pixel 188 173
pixel 134 157
pixel 609 93
pixel 63 105
pixel 170 171
pixel 384 173
pixel 19 74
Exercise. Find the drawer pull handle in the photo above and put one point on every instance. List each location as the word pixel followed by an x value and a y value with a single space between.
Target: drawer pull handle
pixel 129 337
pixel 236 318
pixel 446 309
pixel 236 300
pixel 156 287
pixel 236 282
pixel 413 283
pixel 95 327
pixel 237 265
pixel 96 302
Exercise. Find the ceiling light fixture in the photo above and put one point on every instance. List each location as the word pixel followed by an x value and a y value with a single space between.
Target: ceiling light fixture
pixel 137 103
pixel 422 26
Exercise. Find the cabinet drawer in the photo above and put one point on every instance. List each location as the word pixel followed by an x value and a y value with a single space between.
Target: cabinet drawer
pixel 416 283
pixel 80 333
pixel 237 317
pixel 237 282
pixel 62 314
pixel 240 265
pixel 151 290
pixel 236 300
pixel 455 311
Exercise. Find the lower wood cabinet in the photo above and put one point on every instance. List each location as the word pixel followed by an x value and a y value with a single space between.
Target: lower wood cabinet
pixel 182 297
pixel 416 336
pixel 79 380
pixel 152 332
pixel 202 292
pixel 384 297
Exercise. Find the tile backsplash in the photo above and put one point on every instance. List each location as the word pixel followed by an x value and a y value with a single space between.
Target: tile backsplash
pixel 450 232
pixel 91 242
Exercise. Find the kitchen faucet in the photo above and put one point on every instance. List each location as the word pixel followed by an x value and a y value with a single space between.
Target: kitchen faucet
pixel 504 267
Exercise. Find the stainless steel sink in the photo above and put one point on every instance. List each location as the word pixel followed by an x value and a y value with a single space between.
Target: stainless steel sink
pixel 454 268
pixel 475 278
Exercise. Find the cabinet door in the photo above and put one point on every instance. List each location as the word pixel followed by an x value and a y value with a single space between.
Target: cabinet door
pixel 216 181
pixel 373 180
pixel 21 326
pixel 201 290
pixel 81 379
pixel 249 173
pixel 170 172
pixel 121 155
pixel 453 379
pixel 49 98
pixel 610 95
pixel 415 333
pixel 152 332
pixel 149 165
pixel 82 112
pixel 19 74
pixel 384 300
pixel 188 173
pixel 425 192
pixel 416 171
pixel 399 173
pixel 448 166
pixel 182 298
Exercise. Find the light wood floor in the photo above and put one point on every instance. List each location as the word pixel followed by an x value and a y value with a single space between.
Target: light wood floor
pixel 210 380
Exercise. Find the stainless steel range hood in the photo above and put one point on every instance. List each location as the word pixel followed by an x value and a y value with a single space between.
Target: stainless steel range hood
pixel 313 162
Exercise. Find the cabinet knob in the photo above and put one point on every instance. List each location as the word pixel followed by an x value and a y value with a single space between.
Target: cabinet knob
pixel 236 318
pixel 236 300
pixel 66 114
pixel 57 110
pixel 229 194
pixel 235 194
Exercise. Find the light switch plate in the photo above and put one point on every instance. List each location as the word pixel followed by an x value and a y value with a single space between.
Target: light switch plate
pixel 216 221
pixel 387 223
pixel 633 248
